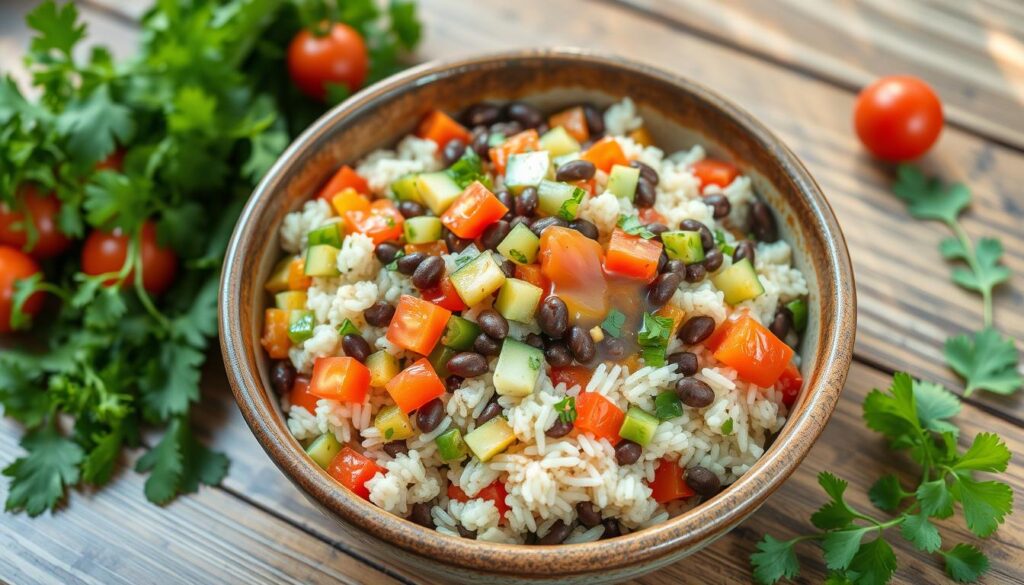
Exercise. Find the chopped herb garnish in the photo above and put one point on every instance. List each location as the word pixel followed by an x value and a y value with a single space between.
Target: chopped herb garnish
pixel 653 356
pixel 613 323
pixel 347 327
pixel 534 363
pixel 655 331
pixel 463 259
pixel 518 256
pixel 390 432
pixel 468 169
pixel 632 225
pixel 393 265
pixel 727 426
pixel 570 206
pixel 566 409
pixel 722 244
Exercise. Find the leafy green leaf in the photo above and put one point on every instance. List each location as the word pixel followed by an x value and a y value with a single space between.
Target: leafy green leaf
pixel 24 288
pixel 165 465
pixel 988 362
pixel 39 478
pixel 203 466
pixel 985 272
pixel 985 503
pixel 468 169
pixel 99 464
pixel 927 198
pixel 893 414
pixel 613 323
pixel 935 405
pixel 114 199
pixel 106 308
pixel 886 493
pixel 874 563
pixel 632 225
pixel 57 27
pixel 835 514
pixel 173 381
pixel 965 563
pixel 840 546
pixel 774 560
pixel 566 409
pixel 94 126
pixel 917 529
pixel 988 452
pixel 936 499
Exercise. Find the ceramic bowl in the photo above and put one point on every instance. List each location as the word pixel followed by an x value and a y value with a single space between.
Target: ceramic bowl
pixel 678 112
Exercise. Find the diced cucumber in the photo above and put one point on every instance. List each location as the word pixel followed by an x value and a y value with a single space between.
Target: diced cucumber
pixel 490 438
pixel 622 181
pixel 683 245
pixel 393 424
pixel 290 300
pixel 405 189
pixel 278 280
pixel 667 405
pixel 739 282
pixel 322 260
pixel 383 367
pixel 480 277
pixel 347 327
pixel 520 245
pixel 422 229
pixel 527 169
pixel 329 235
pixel 300 325
pixel 638 426
pixel 437 190
pixel 518 300
pixel 459 333
pixel 798 308
pixel 323 449
pixel 559 142
pixel 439 359
pixel 451 446
pixel 560 199
pixel 519 367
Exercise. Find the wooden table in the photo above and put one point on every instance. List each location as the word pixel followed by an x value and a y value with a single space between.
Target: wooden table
pixel 796 64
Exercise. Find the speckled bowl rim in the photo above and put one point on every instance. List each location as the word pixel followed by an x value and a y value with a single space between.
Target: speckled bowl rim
pixel 690 529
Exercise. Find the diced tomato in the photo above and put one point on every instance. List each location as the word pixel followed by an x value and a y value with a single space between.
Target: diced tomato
pixel 445 296
pixel 275 333
pixel 340 378
pixel 415 386
pixel 790 383
pixel 297 279
pixel 632 256
pixel 301 396
pixel 417 324
pixel 641 136
pixel 714 172
pixel 598 416
pixel 441 128
pixel 381 223
pixel 718 335
pixel 590 185
pixel 571 262
pixel 647 215
pixel 345 178
pixel 574 121
pixel 754 352
pixel 605 154
pixel 494 492
pixel 435 248
pixel 473 211
pixel 532 274
pixel 349 200
pixel 668 483
pixel 522 142
pixel 672 312
pixel 571 376
pixel 353 469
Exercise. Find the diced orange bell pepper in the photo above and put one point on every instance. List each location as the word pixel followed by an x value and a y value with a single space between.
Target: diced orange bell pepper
pixel 441 129
pixel 668 483
pixel 415 386
pixel 523 142
pixel 714 172
pixel 340 378
pixel 349 199
pixel 790 383
pixel 574 121
pixel 532 274
pixel 632 256
pixel 598 416
pixel 445 295
pixel 571 376
pixel 301 396
pixel 275 333
pixel 381 223
pixel 605 154
pixel 345 178
pixel 417 324
pixel 641 136
pixel 474 210
pixel 647 215
pixel 757 355
pixel 297 279
pixel 353 469
pixel 435 248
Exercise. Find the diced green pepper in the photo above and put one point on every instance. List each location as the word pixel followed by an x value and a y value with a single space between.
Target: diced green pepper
pixel 451 445
pixel 459 333
pixel 622 181
pixel 422 229
pixel 520 245
pixel 323 449
pixel 518 300
pixel 667 405
pixel 526 169
pixel 439 359
pixel 348 327
pixel 480 277
pixel 490 438
pixel 559 199
pixel 300 325
pixel 329 235
pixel 798 308
pixel 739 282
pixel 638 426
pixel 684 246
pixel 393 424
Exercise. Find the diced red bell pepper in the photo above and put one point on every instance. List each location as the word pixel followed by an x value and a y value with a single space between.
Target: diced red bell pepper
pixel 632 256
pixel 381 223
pixel 598 416
pixel 417 324
pixel 441 129
pixel 789 384
pixel 445 296
pixel 605 154
pixel 532 274
pixel 522 142
pixel 757 355
pixel 415 386
pixel 473 211
pixel 494 492
pixel 275 333
pixel 668 483
pixel 297 279
pixel 353 469
pixel 435 248
pixel 301 396
pixel 647 215
pixel 714 172
pixel 345 178
pixel 574 121
pixel 571 376
pixel 340 378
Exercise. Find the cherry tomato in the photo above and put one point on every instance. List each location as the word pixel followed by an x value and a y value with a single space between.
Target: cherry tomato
pixel 43 209
pixel 898 118
pixel 15 265
pixel 105 252
pixel 337 57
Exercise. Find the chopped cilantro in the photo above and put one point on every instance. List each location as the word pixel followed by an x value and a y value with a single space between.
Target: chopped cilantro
pixel 566 409
pixel 613 323
pixel 632 225
pixel 518 256
pixel 727 426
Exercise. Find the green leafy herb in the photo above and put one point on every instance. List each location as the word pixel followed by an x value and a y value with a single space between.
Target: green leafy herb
pixel 727 427
pixel 632 225
pixel 566 409
pixel 468 169
pixel 518 256
pixel 347 327
pixel 569 207
pixel 613 323
pixel 988 362
pixel 722 244
pixel 653 338
pixel 393 265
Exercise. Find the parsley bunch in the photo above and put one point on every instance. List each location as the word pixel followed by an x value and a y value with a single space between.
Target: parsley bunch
pixel 914 416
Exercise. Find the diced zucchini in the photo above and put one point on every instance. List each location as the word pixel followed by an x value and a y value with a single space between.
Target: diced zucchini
pixel 638 426
pixel 278 280
pixel 347 327
pixel 300 325
pixel 437 190
pixel 798 308
pixel 561 199
pixel 520 245
pixel 422 229
pixel 518 300
pixel 527 169
pixel 559 142
pixel 290 300
pixel 329 235
pixel 490 438
pixel 739 282
pixel 683 245
pixel 439 359
pixel 405 189
pixel 460 333
pixel 622 181
pixel 383 367
pixel 323 449
pixel 480 277
pixel 519 367
pixel 451 445
pixel 393 424
pixel 667 405
pixel 322 260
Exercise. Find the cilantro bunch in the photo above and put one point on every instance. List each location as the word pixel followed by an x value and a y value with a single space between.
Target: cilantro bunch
pixel 913 416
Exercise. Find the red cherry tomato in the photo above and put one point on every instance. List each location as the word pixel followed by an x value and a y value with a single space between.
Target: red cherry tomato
pixel 898 118
pixel 105 252
pixel 337 57
pixel 15 265
pixel 43 209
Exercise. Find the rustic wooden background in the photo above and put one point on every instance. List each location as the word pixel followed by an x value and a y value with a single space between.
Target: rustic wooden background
pixel 796 64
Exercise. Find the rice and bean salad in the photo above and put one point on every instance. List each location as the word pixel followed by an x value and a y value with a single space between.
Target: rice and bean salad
pixel 535 329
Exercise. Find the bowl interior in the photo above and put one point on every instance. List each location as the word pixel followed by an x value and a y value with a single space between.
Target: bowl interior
pixel 679 114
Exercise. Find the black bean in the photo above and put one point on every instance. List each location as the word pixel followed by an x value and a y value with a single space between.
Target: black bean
pixel 782 323
pixel 534 340
pixel 553 317
pixel 585 227
pixel 430 415
pixel 611 528
pixel 558 532
pixel 575 170
pixel 707 241
pixel 543 223
pixel 525 114
pixel 282 376
pixel 713 259
pixel 595 119
pixel 408 264
pixel 465 532
pixel 453 382
pixel 762 222
pixel 647 172
pixel 386 252
pixel 557 354
pixel 720 206
pixel 429 273
pixel 379 314
pixel 455 243
pixel 508 267
pixel 560 428
pixel 355 347
pixel 685 361
pixel 506 129
pixel 677 266
pixel 481 144
pixel 627 452
pixel 396 448
pixel 696 329
pixel 646 196
pixel 420 514
pixel 744 249
pixel 467 364
pixel 581 344
pixel 494 234
pixel 411 209
pixel 490 411
pixel 695 273
pixel 506 198
pixel 662 289
pixel 657 229
pixel 526 202
pixel 482 114
pixel 484 344
pixel 702 480
pixel 453 151
pixel 662 261
pixel 588 514
pixel 519 219
pixel 493 324
pixel 694 393
pixel 613 347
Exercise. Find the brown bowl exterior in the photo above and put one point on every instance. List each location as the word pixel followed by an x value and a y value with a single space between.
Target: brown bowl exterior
pixel 678 112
